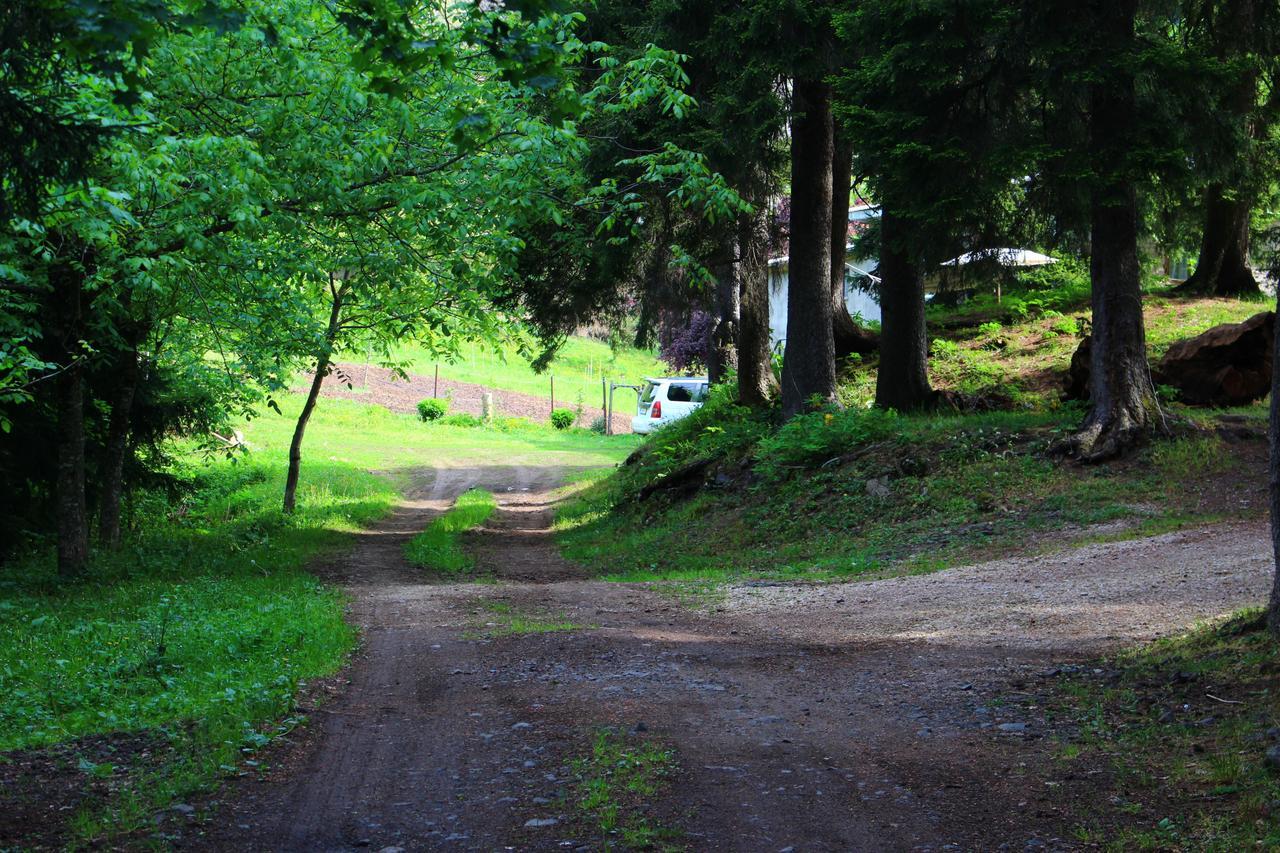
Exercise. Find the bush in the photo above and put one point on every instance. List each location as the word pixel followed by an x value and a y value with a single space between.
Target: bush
pixel 598 424
pixel 809 440
pixel 563 418
pixel 432 409
pixel 992 328
pixel 1064 326
pixel 462 420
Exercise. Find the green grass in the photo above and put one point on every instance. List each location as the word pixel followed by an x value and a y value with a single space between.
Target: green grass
pixel 371 438
pixel 1190 771
pixel 437 548
pixel 615 783
pixel 578 368
pixel 500 619
pixel 198 631
pixel 862 493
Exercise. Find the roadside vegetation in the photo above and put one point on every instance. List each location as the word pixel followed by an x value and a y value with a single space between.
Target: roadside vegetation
pixel 197 633
pixel 1187 729
pixel 180 654
pixel 861 492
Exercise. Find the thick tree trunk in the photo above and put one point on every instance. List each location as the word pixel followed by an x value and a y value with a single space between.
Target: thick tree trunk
pixel 117 448
pixel 73 518
pixel 848 336
pixel 1273 611
pixel 299 430
pixel 757 385
pixel 1223 268
pixel 902 382
pixel 1121 395
pixel 722 356
pixel 808 367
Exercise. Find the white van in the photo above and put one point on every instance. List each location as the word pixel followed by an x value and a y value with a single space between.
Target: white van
pixel 665 400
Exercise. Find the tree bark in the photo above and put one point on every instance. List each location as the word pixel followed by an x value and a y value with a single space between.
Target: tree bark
pixel 902 382
pixel 722 356
pixel 1123 406
pixel 1223 267
pixel 848 336
pixel 1273 610
pixel 73 518
pixel 117 447
pixel 808 367
pixel 322 369
pixel 757 385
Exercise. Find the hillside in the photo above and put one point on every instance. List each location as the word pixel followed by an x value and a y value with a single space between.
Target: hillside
pixel 864 492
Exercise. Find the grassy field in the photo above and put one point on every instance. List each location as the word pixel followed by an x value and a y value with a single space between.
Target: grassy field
pixel 198 631
pixel 577 368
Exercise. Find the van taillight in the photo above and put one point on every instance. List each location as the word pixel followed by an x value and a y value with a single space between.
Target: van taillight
pixel 656 411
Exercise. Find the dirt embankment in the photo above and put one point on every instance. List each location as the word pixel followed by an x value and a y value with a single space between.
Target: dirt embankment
pixel 382 387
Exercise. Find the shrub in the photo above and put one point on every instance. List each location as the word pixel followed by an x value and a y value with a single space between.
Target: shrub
pixel 943 348
pixel 432 409
pixel 809 440
pixel 563 418
pixel 462 419
pixel 598 424
pixel 1064 326
pixel 992 328
pixel 1016 309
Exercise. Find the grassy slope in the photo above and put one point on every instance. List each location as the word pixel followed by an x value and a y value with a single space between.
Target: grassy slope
pixel 206 616
pixel 578 369
pixel 1020 347
pixel 1190 772
pixel 861 492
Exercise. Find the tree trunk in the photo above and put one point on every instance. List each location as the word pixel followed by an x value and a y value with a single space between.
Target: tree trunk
pixel 1223 267
pixel 322 369
pixel 808 367
pixel 756 382
pixel 848 336
pixel 73 518
pixel 117 448
pixel 902 382
pixel 722 357
pixel 1121 395
pixel 1273 611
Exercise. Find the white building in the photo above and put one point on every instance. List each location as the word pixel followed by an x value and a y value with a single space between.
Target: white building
pixel 861 304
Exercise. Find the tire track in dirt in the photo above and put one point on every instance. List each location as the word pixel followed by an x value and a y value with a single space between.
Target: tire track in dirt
pixel 803 718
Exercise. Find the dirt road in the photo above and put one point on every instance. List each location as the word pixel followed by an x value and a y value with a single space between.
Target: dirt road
pixel 844 717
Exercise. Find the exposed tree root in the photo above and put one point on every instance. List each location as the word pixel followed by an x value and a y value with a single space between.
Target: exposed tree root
pixel 1111 436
